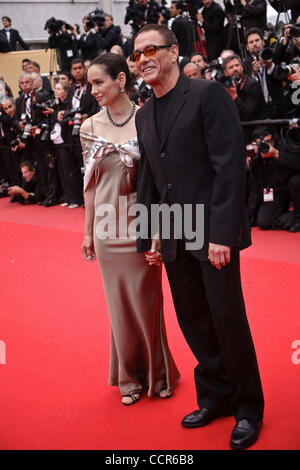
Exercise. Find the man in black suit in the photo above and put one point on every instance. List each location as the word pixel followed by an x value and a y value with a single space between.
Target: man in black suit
pixel 192 155
pixel 253 13
pixel 87 41
pixel 212 21
pixel 284 5
pixel 79 98
pixel 269 75
pixel 182 28
pixel 11 36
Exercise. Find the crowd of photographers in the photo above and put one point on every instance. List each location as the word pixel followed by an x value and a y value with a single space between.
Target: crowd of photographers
pixel 258 64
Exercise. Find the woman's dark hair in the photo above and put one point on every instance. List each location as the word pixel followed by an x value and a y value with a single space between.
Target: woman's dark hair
pixel 113 65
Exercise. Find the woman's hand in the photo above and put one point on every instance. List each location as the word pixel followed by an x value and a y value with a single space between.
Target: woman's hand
pixel 88 249
pixel 153 256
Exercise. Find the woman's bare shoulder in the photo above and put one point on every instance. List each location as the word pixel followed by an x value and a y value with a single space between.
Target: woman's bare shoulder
pixel 89 124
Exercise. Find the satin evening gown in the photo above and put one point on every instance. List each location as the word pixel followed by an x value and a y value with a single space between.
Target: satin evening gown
pixel 140 358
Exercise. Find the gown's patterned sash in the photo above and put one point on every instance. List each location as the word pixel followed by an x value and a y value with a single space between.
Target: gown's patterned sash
pixel 95 149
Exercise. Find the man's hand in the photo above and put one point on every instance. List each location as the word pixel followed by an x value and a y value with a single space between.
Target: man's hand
pixel 294 77
pixel 286 35
pixel 153 256
pixel 272 153
pixel 48 111
pixel 255 67
pixel 60 115
pixel 218 255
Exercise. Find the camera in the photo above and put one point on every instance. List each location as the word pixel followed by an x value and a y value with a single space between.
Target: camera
pixel 73 118
pixel 53 25
pixel 45 132
pixel 295 31
pixel 293 67
pixel 4 185
pixel 53 104
pixel 266 54
pixel 95 17
pixel 26 134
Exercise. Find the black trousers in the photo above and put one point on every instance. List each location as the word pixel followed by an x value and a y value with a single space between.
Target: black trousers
pixel 70 163
pixel 211 313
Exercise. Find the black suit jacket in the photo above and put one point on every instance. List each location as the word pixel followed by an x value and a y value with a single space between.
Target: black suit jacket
pixel 287 4
pixel 14 39
pixel 213 25
pixel 199 160
pixel 183 31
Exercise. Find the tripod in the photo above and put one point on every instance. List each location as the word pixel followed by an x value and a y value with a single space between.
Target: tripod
pixel 281 9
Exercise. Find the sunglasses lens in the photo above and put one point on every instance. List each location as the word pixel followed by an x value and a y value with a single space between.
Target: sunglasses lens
pixel 136 56
pixel 149 51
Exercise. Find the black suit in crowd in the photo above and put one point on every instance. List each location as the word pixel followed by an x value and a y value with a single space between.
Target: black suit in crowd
pixel 70 151
pixel 14 39
pixel 66 45
pixel 109 37
pixel 213 25
pixel 88 44
pixel 277 104
pixel 282 5
pixel 183 30
pixel 250 103
pixel 196 156
pixel 11 160
pixel 36 150
pixel 253 14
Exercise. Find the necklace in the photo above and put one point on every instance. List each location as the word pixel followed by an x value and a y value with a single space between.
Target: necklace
pixel 121 124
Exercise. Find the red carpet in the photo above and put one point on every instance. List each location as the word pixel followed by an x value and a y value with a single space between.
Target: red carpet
pixel 55 328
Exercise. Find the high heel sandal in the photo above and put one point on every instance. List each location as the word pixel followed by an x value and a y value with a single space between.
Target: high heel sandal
pixel 162 392
pixel 135 397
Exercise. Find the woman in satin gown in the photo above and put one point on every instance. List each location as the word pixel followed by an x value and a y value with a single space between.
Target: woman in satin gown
pixel 140 358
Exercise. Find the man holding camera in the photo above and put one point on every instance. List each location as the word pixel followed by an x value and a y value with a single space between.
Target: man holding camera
pixel 31 190
pixel 275 175
pixel 245 92
pixel 253 12
pixel 78 105
pixel 87 42
pixel 109 35
pixel 260 66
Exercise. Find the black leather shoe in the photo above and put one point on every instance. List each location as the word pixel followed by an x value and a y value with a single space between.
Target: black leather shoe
pixel 295 228
pixel 203 417
pixel 244 434
pixel 50 203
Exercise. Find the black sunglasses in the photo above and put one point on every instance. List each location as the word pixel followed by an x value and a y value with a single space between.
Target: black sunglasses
pixel 148 52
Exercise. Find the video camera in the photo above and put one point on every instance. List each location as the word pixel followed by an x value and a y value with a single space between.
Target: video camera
pixel 95 17
pixel 73 118
pixel 53 25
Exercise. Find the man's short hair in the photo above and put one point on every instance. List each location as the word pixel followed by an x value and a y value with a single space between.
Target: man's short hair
pixel 254 30
pixel 77 61
pixel 163 30
pixel 179 5
pixel 230 58
pixel 25 75
pixel 6 18
pixel 199 53
pixel 107 15
pixel 36 65
pixel 29 164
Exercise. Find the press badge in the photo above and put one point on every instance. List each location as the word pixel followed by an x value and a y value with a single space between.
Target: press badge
pixel 69 53
pixel 268 195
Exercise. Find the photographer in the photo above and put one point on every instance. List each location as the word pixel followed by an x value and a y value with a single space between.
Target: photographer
pixel 62 38
pixel 245 92
pixel 30 191
pixel 141 12
pixel 273 186
pixel 31 118
pixel 212 21
pixel 109 35
pixel 253 12
pixel 87 41
pixel 288 47
pixel 284 5
pixel 9 131
pixel 78 105
pixel 260 66
pixel 182 28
